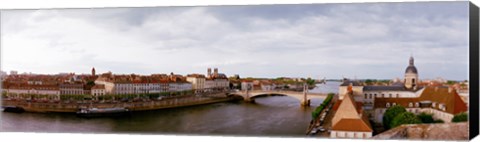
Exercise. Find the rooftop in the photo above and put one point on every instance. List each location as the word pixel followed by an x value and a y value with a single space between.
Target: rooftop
pixel 444 131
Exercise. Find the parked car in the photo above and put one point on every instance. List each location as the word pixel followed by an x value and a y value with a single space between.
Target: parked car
pixel 321 129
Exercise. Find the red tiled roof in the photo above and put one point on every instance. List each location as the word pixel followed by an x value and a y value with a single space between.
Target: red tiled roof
pixel 440 95
pixel 98 86
pixel 358 125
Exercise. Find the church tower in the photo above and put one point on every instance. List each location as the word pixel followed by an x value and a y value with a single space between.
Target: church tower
pixel 411 75
pixel 93 71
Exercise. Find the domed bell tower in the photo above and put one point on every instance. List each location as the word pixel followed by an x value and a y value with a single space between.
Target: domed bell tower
pixel 411 75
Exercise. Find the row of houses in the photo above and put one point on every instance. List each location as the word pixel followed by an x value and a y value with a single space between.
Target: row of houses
pixel 108 83
pixel 210 82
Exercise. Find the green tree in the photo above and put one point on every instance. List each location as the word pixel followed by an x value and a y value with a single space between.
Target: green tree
pixel 390 114
pixel 405 118
pixel 368 81
pixel 91 83
pixel 461 117
pixel 426 118
pixel 310 81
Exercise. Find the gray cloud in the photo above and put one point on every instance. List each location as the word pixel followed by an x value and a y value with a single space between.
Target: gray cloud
pixel 372 40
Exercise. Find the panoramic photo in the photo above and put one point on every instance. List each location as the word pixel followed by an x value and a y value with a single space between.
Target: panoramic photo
pixel 356 71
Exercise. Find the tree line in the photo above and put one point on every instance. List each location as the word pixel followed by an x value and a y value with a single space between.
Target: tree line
pixel 398 115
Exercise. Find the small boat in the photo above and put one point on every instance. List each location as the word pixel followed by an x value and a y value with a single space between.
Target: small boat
pixel 102 112
pixel 13 109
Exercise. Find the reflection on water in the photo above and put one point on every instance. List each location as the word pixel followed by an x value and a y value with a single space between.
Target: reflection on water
pixel 269 116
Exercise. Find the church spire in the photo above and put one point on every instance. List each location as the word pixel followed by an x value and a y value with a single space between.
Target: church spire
pixel 411 60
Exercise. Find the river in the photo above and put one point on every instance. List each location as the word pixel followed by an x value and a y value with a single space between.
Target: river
pixel 268 116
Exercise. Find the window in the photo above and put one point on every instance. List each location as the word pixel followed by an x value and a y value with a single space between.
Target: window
pixel 410 104
pixel 370 96
pixel 433 104
pixel 397 95
pixel 383 95
pixel 394 104
pixel 389 95
pixel 365 96
pixel 388 105
pixel 375 95
pixel 417 104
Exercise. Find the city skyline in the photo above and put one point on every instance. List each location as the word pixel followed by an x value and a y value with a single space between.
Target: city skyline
pixel 321 40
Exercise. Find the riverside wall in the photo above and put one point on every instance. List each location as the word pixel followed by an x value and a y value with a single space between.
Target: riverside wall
pixel 72 107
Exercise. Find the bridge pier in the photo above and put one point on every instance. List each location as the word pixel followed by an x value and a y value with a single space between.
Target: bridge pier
pixel 305 103
pixel 250 100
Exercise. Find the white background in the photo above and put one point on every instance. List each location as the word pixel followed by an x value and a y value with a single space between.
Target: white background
pixel 35 4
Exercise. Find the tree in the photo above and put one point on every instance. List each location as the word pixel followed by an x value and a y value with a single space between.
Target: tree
pixel 310 81
pixel 390 114
pixel 91 83
pixel 461 117
pixel 405 118
pixel 368 81
pixel 426 118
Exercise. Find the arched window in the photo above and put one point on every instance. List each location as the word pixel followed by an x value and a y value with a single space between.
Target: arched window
pixel 375 95
pixel 365 96
pixel 387 105
pixel 433 105
pixel 397 96
pixel 417 104
pixel 410 104
pixel 383 95
pixel 370 96
pixel 389 95
pixel 394 104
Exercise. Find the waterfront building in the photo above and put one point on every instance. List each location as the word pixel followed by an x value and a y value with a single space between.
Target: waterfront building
pixel 209 84
pixel 349 120
pixel 216 81
pixel 197 81
pixel 71 88
pixel 179 86
pixel 52 90
pixel 98 90
pixel 267 85
pixel 137 84
pixel 247 85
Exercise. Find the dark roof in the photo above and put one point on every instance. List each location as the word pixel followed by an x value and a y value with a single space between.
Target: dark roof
pixel 411 69
pixel 347 82
pixel 384 88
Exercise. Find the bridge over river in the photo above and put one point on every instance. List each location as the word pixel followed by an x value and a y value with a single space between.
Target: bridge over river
pixel 304 97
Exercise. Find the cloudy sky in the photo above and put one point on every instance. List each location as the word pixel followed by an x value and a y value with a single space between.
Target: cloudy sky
pixel 372 40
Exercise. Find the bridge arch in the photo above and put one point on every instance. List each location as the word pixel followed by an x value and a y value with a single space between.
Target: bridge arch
pixel 301 96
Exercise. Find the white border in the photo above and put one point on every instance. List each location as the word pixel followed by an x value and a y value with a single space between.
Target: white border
pixel 53 137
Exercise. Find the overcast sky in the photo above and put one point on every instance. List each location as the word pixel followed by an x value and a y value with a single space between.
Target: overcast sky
pixel 373 40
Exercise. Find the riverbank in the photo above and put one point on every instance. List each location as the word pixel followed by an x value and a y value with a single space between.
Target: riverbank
pixel 72 107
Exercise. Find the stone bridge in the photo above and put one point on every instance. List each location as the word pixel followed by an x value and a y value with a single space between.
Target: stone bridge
pixel 304 97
